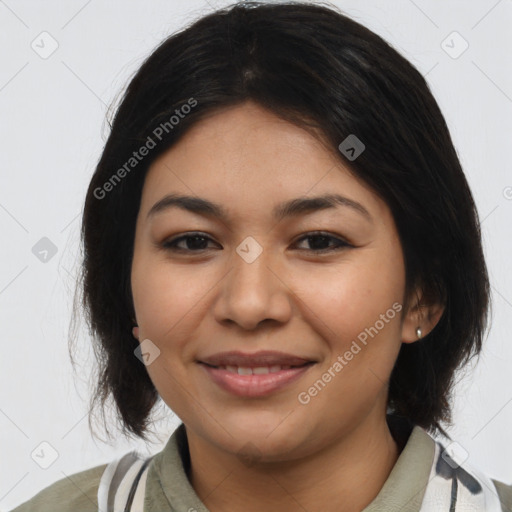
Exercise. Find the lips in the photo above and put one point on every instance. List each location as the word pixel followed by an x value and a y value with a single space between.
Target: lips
pixel 260 359
pixel 254 385
pixel 254 375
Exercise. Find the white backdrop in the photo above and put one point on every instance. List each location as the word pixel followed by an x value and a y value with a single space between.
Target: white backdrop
pixel 62 64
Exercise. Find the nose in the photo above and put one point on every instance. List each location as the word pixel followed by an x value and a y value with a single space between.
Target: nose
pixel 252 293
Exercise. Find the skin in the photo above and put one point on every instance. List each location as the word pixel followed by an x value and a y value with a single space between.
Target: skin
pixel 291 298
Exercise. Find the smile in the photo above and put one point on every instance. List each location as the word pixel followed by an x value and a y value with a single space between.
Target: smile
pixel 257 381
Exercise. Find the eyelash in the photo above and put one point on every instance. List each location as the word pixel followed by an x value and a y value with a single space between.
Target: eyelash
pixel 341 244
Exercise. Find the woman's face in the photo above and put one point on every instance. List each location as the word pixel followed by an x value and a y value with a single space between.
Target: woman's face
pixel 258 281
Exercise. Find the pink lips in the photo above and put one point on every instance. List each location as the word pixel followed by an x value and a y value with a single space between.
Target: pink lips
pixel 255 385
pixel 262 358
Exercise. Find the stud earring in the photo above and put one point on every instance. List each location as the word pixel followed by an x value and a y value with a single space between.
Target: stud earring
pixel 418 332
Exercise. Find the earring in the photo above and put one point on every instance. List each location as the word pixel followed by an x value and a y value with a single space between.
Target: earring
pixel 418 332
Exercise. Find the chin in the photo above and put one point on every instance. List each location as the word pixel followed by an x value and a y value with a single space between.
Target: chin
pixel 264 436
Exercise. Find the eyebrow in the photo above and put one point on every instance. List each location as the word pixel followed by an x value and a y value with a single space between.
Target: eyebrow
pixel 292 208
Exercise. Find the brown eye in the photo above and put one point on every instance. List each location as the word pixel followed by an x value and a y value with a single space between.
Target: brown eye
pixel 193 242
pixel 319 242
pixel 198 242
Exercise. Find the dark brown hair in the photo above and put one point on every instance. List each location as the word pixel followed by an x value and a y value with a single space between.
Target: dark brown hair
pixel 313 66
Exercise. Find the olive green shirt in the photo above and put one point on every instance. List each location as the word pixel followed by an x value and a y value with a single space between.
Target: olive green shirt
pixel 168 488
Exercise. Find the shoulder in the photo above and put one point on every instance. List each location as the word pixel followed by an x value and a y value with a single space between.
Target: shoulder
pixel 78 491
pixel 505 494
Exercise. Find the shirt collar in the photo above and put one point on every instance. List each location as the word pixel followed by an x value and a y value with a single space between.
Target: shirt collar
pixel 403 490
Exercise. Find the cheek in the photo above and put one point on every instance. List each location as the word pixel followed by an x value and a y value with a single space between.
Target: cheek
pixel 163 296
pixel 357 313
pixel 164 302
pixel 350 298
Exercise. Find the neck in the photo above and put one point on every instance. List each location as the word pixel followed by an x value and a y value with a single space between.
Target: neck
pixel 345 476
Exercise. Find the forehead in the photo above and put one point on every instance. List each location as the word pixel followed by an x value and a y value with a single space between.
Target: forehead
pixel 248 157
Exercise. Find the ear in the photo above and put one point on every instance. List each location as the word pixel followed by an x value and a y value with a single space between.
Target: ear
pixel 135 332
pixel 423 314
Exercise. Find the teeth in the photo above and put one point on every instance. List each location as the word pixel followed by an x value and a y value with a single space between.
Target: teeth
pixel 260 370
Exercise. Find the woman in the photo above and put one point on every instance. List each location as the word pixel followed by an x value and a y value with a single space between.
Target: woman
pixel 280 243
